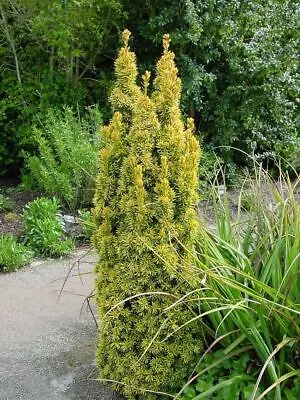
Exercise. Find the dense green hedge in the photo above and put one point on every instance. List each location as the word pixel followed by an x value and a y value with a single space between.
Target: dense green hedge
pixel 237 61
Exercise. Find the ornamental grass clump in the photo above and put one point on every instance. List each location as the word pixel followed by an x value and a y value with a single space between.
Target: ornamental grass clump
pixel 250 293
pixel 146 223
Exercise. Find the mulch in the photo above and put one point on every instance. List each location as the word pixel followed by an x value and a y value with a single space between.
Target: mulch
pixel 11 221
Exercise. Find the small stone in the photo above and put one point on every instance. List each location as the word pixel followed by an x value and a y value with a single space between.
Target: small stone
pixel 69 219
pixel 37 263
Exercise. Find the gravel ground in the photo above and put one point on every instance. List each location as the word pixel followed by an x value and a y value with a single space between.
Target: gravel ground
pixel 47 347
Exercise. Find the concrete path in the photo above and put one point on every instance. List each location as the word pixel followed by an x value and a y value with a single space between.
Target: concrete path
pixel 47 347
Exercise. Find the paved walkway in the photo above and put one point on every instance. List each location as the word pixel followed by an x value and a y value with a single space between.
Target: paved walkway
pixel 47 347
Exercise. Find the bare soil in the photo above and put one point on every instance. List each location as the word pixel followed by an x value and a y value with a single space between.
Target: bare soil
pixel 10 221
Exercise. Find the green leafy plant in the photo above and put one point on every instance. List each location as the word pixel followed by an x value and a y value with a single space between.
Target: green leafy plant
pixel 87 223
pixel 250 270
pixel 62 45
pixel 220 376
pixel 239 66
pixel 44 229
pixel 66 164
pixel 145 198
pixel 5 203
pixel 223 378
pixel 13 255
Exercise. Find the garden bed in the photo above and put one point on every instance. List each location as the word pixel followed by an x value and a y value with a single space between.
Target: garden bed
pixel 17 198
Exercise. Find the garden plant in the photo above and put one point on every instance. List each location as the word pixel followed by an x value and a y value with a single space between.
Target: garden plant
pixel 65 165
pixel 249 297
pixel 146 229
pixel 44 229
pixel 193 303
pixel 160 297
pixel 13 255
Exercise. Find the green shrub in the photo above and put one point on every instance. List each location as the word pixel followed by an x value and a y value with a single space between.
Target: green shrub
pixel 66 164
pixel 239 66
pixel 44 229
pixel 13 255
pixel 64 45
pixel 5 204
pixel 146 226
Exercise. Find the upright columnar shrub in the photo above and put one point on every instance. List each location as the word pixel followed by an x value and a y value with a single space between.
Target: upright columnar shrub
pixel 146 226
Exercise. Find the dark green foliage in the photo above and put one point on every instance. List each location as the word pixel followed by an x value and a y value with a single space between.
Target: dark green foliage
pixel 44 229
pixel 49 53
pixel 238 61
pixel 13 255
pixel 65 166
pixel 146 226
pixel 21 108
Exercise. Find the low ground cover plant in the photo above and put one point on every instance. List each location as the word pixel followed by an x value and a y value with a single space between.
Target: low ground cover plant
pixel 13 255
pixel 223 378
pixel 66 163
pixel 44 229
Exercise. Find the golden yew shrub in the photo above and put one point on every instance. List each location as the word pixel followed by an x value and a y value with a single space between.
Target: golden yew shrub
pixel 146 225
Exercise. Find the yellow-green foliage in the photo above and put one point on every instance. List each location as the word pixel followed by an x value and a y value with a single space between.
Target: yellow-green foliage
pixel 146 225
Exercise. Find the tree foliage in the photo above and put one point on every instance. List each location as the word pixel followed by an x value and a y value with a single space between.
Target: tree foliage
pixel 48 56
pixel 238 62
pixel 146 225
